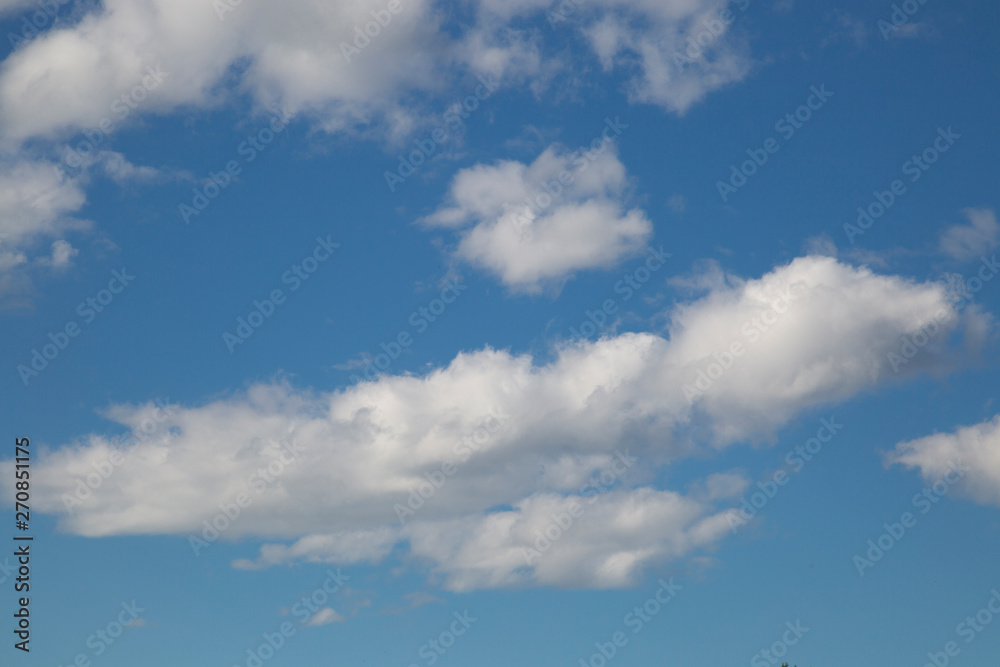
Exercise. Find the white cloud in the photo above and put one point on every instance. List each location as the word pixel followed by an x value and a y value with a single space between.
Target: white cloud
pixel 305 56
pixel 538 542
pixel 62 254
pixel 324 616
pixel 291 54
pixel 302 55
pixel 36 205
pixel 366 448
pixel 797 358
pixel 35 201
pixel 344 547
pixel 534 226
pixel 9 260
pixel 120 170
pixel 725 485
pixel 114 61
pixel 39 204
pixel 497 50
pixel 976 448
pixel 677 51
pixel 971 241
pixel 821 245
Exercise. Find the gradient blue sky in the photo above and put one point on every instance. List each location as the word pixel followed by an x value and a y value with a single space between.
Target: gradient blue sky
pixel 367 443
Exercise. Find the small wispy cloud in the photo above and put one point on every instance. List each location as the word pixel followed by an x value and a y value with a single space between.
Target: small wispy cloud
pixel 420 598
pixel 915 30
pixel 324 616
pixel 847 28
pixel 972 240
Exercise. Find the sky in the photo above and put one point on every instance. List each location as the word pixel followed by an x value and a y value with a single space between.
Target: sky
pixel 593 332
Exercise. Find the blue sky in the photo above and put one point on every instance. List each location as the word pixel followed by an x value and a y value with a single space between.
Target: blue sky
pixel 562 320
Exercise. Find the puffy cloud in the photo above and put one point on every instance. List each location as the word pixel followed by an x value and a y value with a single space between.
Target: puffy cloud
pixel 971 241
pixel 39 204
pixel 547 539
pixel 62 254
pixel 973 449
pixel 534 225
pixel 36 204
pixel 677 51
pixel 466 463
pixel 682 47
pixel 785 339
pixel 70 78
pixel 346 63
